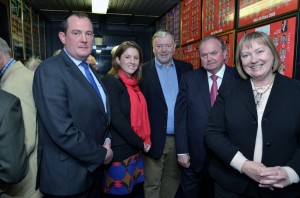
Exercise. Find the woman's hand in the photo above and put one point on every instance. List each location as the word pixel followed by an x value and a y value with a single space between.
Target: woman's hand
pixel 274 176
pixel 267 177
pixel 147 147
pixel 109 154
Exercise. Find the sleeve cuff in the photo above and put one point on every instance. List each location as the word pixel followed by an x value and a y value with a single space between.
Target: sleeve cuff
pixel 181 154
pixel 293 176
pixel 237 161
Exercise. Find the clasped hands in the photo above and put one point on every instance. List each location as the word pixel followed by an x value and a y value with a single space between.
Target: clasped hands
pixel 267 177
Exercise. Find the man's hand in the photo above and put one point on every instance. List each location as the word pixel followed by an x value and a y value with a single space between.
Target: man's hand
pixel 184 160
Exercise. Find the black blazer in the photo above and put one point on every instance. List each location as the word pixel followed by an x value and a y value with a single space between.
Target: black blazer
pixel 125 142
pixel 157 106
pixel 191 113
pixel 232 127
pixel 72 127
pixel 13 156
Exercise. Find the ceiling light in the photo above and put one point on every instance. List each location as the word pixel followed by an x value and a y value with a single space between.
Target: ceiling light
pixel 98 40
pixel 99 7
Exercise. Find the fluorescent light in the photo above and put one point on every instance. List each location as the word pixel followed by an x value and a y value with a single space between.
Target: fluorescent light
pixel 98 51
pixel 99 6
pixel 98 40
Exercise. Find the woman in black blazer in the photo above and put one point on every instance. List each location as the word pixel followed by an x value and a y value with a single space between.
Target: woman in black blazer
pixel 130 127
pixel 254 130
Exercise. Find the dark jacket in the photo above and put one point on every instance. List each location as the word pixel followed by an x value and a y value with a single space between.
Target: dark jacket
pixel 157 107
pixel 125 142
pixel 72 124
pixel 232 127
pixel 191 113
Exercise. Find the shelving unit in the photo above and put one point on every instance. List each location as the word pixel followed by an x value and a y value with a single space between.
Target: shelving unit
pixel 230 20
pixel 26 40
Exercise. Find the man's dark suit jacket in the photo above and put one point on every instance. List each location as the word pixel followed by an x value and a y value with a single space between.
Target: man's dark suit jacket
pixel 191 113
pixel 232 127
pixel 157 107
pixel 72 127
pixel 13 157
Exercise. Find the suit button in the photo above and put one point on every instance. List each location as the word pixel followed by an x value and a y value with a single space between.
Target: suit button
pixel 268 144
pixel 107 124
pixel 165 127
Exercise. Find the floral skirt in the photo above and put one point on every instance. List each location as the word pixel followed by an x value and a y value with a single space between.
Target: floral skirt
pixel 120 177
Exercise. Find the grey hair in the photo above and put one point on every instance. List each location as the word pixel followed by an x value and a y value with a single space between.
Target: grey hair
pixel 4 48
pixel 162 34
pixel 220 40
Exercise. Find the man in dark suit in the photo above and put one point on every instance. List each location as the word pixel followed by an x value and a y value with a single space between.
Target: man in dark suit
pixel 160 87
pixel 192 108
pixel 13 160
pixel 73 116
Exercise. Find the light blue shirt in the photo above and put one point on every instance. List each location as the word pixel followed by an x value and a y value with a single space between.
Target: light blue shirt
pixel 81 68
pixel 169 84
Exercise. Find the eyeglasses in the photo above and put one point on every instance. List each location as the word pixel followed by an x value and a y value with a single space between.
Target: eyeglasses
pixel 77 34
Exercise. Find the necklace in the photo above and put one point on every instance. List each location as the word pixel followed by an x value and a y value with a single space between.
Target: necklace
pixel 259 92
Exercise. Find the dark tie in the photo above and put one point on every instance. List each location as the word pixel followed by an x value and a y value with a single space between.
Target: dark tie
pixel 214 89
pixel 93 83
pixel 90 77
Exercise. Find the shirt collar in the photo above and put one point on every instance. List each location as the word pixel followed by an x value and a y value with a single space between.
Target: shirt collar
pixel 6 66
pixel 220 73
pixel 77 62
pixel 159 65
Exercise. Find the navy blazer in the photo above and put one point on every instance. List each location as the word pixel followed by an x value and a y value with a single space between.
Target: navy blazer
pixel 191 113
pixel 157 107
pixel 72 125
pixel 232 127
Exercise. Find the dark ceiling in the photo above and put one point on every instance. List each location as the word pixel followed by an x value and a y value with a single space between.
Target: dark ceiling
pixel 127 12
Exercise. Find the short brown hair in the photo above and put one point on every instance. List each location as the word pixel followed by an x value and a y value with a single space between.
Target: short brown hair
pixel 65 25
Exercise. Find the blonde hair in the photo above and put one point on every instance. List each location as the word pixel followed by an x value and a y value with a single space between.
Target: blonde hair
pixel 91 60
pixel 247 41
pixel 114 49
pixel 33 63
pixel 56 52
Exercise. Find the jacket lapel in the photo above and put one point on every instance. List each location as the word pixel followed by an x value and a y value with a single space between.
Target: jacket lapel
pixel 75 71
pixel 156 82
pixel 204 88
pixel 277 93
pixel 246 94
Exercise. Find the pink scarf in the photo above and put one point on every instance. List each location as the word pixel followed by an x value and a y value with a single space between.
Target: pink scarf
pixel 138 111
